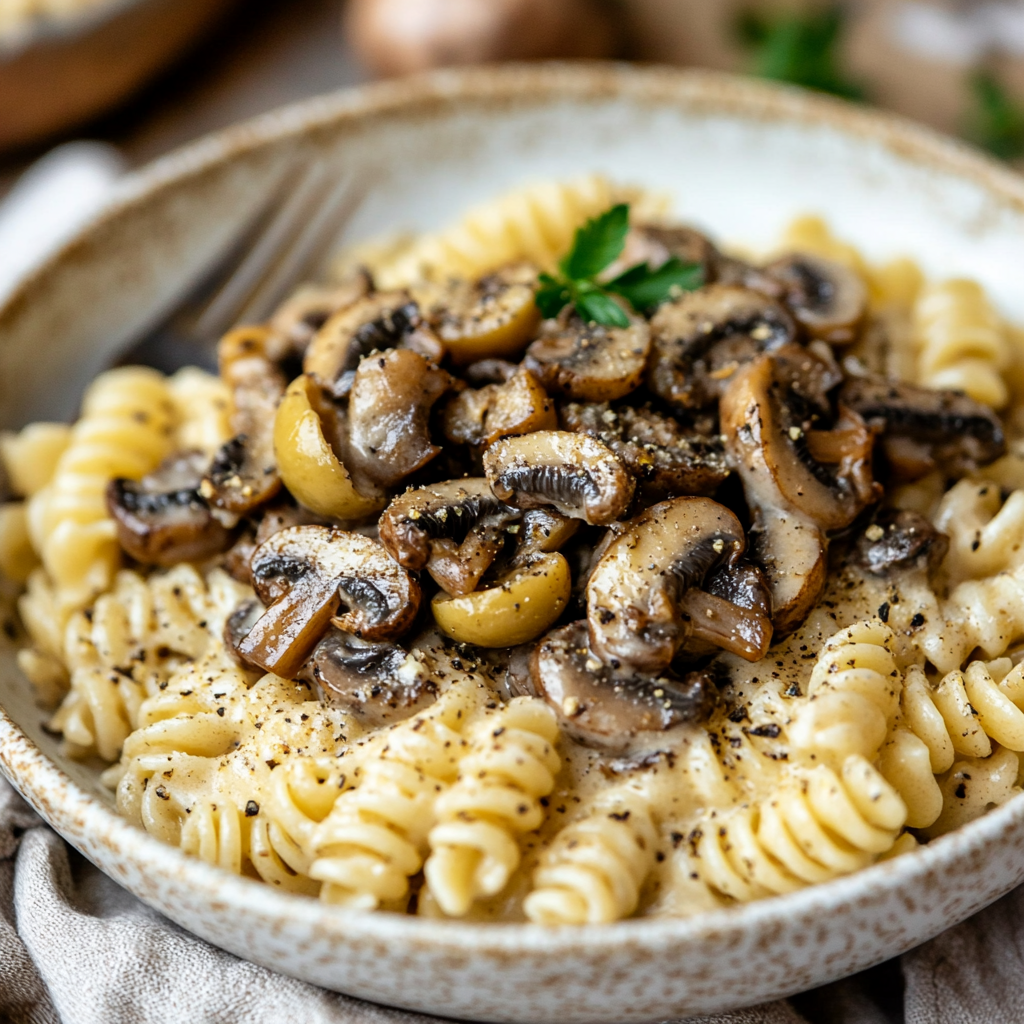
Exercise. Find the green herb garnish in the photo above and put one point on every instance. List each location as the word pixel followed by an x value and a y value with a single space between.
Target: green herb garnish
pixel 597 245
pixel 997 121
pixel 799 48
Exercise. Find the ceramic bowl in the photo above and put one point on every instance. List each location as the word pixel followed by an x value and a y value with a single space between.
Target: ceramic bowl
pixel 61 71
pixel 738 158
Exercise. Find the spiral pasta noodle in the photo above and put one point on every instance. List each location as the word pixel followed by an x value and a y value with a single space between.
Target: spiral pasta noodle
pixel 510 765
pixel 595 868
pixel 534 223
pixel 30 456
pixel 126 430
pixel 375 837
pixel 202 405
pixel 986 534
pixel 853 694
pixel 962 342
pixel 130 642
pixel 820 824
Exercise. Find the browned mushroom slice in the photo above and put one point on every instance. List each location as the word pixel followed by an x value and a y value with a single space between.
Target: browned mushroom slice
pixel 389 415
pixel 701 339
pixel 792 551
pixel 453 529
pixel 638 594
pixel 490 318
pixel 378 683
pixel 296 321
pixel 605 708
pixel 572 473
pixel 589 362
pixel 733 611
pixel 666 459
pixel 927 427
pixel 827 298
pixel 518 406
pixel 304 573
pixel 378 322
pixel 900 539
pixel 243 474
pixel 543 531
pixel 766 418
pixel 239 624
pixel 162 519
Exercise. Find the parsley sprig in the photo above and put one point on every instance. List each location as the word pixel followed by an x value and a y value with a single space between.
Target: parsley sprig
pixel 597 245
pixel 997 120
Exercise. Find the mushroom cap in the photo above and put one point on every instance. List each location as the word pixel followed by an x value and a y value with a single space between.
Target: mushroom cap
pixel 448 510
pixel 378 683
pixel 303 573
pixel 603 708
pixel 375 323
pixel 162 519
pixel 589 362
pixel 572 473
pixel 700 339
pixel 518 405
pixel 899 539
pixel 769 422
pixel 827 298
pixel 634 593
pixel 389 415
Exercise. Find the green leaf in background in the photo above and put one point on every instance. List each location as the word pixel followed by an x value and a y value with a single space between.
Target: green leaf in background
pixel 597 244
pixel 601 308
pixel 645 288
pixel 799 48
pixel 996 122
pixel 552 296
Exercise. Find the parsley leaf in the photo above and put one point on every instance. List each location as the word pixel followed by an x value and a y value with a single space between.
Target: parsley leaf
pixel 997 121
pixel 800 48
pixel 597 245
pixel 645 288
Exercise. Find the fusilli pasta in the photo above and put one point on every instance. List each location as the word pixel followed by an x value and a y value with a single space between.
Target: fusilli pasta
pixel 511 763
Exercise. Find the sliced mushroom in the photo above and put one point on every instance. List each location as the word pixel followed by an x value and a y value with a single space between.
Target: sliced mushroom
pixel 666 459
pixel 589 362
pixel 542 530
pixel 514 609
pixel 701 339
pixel 162 519
pixel 828 299
pixel 601 707
pixel 376 323
pixel 454 529
pixel 639 594
pixel 378 683
pixel 925 428
pixel 238 626
pixel 303 574
pixel 900 539
pixel 489 371
pixel 518 406
pixel 310 438
pixel 575 474
pixel 774 434
pixel 243 474
pixel 389 415
pixel 490 318
pixel 656 244
pixel 296 321
pixel 792 551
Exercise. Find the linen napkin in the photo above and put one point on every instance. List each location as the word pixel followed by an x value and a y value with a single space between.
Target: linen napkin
pixel 77 949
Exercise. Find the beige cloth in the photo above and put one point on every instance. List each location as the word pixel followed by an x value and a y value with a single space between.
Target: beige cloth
pixel 77 949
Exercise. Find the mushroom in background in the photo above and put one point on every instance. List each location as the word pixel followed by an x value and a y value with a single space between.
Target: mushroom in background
pixel 396 37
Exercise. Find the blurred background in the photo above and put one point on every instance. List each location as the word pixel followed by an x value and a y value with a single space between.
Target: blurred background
pixel 143 76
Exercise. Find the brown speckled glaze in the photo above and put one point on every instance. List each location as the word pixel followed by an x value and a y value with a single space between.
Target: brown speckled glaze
pixel 743 155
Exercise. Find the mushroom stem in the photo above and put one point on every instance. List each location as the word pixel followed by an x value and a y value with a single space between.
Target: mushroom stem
pixel 742 631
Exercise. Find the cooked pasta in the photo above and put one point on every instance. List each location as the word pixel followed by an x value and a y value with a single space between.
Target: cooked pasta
pixel 510 765
pixel 595 868
pixel 126 429
pixel 820 824
pixel 641 588
pixel 962 341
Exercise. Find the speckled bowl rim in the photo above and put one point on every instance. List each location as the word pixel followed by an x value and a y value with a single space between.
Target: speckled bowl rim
pixel 85 820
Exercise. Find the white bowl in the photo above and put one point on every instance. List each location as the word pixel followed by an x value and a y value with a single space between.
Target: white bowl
pixel 739 158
